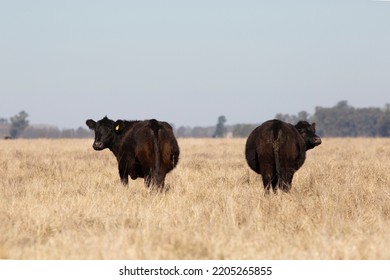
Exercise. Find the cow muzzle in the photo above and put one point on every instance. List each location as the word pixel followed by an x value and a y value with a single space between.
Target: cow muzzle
pixel 317 141
pixel 98 146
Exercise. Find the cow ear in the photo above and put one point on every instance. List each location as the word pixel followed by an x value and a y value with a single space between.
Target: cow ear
pixel 313 125
pixel 299 126
pixel 118 126
pixel 91 124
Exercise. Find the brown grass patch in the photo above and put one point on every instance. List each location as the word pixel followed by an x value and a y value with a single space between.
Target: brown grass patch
pixel 59 199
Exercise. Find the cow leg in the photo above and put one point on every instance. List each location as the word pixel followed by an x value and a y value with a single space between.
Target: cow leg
pixel 267 178
pixel 126 169
pixel 155 181
pixel 148 180
pixel 130 168
pixel 160 183
pixel 160 178
pixel 155 178
pixel 125 181
pixel 123 166
pixel 285 183
pixel 124 177
pixel 267 175
pixel 267 190
pixel 275 182
pixel 289 181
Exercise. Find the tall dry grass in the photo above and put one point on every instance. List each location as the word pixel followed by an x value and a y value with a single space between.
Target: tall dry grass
pixel 59 199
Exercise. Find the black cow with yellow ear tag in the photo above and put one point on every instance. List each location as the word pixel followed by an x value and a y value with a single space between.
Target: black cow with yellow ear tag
pixel 144 149
pixel 119 125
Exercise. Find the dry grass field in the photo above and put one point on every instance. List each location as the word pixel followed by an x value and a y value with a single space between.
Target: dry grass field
pixel 60 199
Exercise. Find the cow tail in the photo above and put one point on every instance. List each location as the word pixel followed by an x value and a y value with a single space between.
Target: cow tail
pixel 155 126
pixel 276 147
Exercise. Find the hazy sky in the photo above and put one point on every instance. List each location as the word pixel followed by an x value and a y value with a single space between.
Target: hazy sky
pixel 188 62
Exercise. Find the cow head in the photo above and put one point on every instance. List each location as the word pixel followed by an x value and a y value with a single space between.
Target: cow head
pixel 104 133
pixel 308 132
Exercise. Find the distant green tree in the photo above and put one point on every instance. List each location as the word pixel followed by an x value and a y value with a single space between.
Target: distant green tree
pixel 293 119
pixel 182 131
pixel 220 130
pixel 337 121
pixel 18 123
pixel 367 121
pixel 303 116
pixel 384 122
pixel 343 120
pixel 285 118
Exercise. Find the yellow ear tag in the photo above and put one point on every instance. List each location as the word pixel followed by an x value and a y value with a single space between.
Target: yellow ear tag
pixel 117 128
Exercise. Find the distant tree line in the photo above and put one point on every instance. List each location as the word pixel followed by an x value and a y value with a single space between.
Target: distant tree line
pixel 18 127
pixel 218 131
pixel 43 131
pixel 195 132
pixel 46 131
pixel 341 120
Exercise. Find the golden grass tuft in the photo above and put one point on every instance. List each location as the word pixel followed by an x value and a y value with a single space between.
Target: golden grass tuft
pixel 59 199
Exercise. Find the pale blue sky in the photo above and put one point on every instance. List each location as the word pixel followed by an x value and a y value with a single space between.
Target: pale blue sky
pixel 187 62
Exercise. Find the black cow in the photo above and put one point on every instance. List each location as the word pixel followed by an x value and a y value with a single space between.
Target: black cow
pixel 277 149
pixel 144 149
